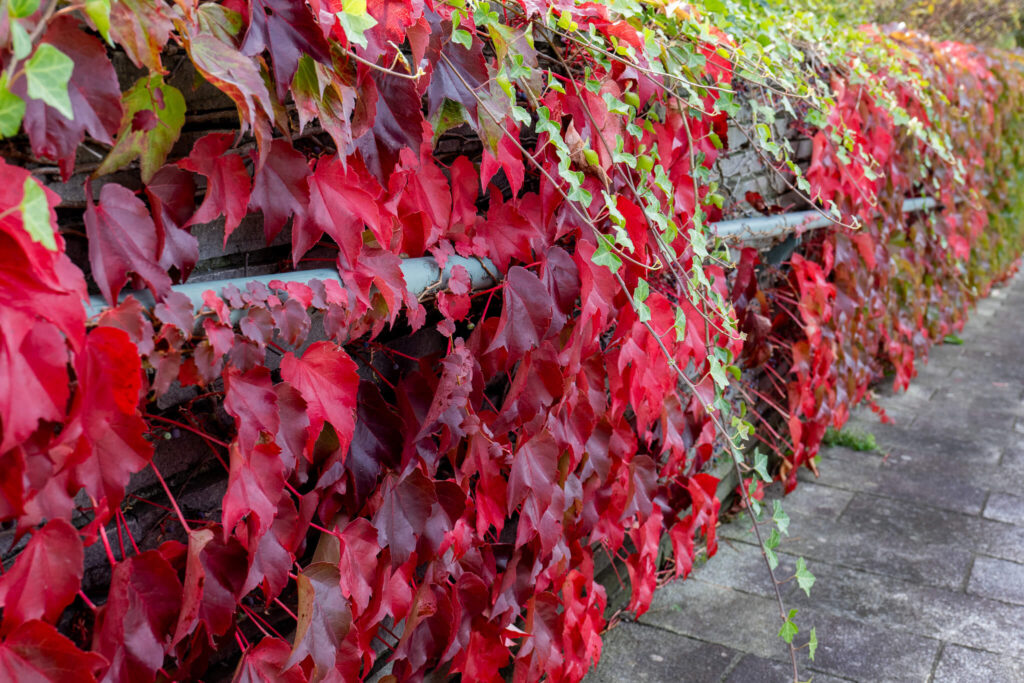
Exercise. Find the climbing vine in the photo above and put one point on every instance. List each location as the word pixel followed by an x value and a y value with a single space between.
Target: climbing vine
pixel 444 504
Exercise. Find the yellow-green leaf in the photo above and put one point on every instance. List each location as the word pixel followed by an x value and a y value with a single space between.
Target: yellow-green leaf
pixel 154 113
pixel 12 110
pixel 35 215
pixel 21 44
pixel 19 9
pixel 48 73
pixel 355 20
pixel 99 13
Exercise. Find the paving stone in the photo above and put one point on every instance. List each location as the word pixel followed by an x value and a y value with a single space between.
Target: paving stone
pixel 997 579
pixel 753 669
pixel 999 540
pixel 966 418
pixel 741 567
pixel 882 536
pixel 981 447
pixel 846 648
pixel 815 500
pixel 637 653
pixel 868 653
pixel 1004 507
pixel 942 614
pixel 963 665
pixel 927 480
pixel 715 614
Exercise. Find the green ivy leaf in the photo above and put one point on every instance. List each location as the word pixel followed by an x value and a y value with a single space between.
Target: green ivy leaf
pixel 717 372
pixel 789 629
pixel 770 544
pixel 462 37
pixel 812 644
pixel 35 215
pixel 605 256
pixel 804 578
pixel 755 504
pixel 154 113
pixel 680 324
pixel 19 9
pixel 356 21
pixel 21 44
pixel 761 465
pixel 12 110
pixel 780 517
pixel 48 73
pixel 99 12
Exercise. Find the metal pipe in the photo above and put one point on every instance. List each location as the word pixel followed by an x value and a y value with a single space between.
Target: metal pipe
pixel 423 272
pixel 764 227
pixel 420 274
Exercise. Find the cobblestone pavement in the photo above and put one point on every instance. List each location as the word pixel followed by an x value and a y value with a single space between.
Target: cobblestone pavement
pixel 918 550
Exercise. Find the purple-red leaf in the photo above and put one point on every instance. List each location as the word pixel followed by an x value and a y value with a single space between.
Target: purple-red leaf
pixel 403 515
pixel 172 196
pixel 525 315
pixel 45 577
pixel 264 663
pixel 324 618
pixel 340 204
pixel 215 573
pixel 227 181
pixel 249 397
pixel 534 471
pixel 279 187
pixel 327 379
pixel 37 653
pixel 288 30
pixel 133 630
pixel 112 444
pixel 122 240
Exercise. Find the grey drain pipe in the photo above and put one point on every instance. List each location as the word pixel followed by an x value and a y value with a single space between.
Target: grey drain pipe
pixel 423 273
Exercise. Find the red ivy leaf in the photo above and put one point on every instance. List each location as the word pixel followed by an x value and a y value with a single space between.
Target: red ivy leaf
pixel 398 123
pixel 133 630
pixel 122 239
pixel 227 181
pixel 454 67
pixel 403 515
pixel 324 617
pixel 279 188
pixel 264 663
pixel 525 316
pixel 327 378
pixel 288 30
pixel 33 376
pixel 37 653
pixel 45 577
pixel 37 282
pixel 341 201
pixel 215 573
pixel 357 562
pixel 249 397
pixel 506 234
pixel 255 484
pixel 171 194
pixel 112 445
pixel 534 469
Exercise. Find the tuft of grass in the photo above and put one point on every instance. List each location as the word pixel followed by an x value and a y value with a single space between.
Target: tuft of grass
pixel 851 438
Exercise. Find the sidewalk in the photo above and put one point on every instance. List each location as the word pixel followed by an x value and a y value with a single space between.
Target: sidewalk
pixel 918 550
